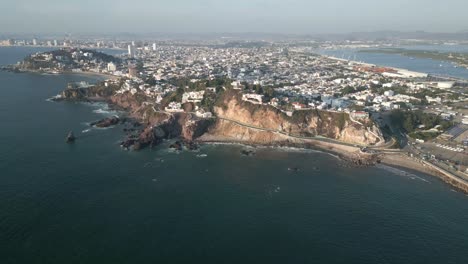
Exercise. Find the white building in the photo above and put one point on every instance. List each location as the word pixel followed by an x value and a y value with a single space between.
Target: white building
pixel 88 54
pixel 433 100
pixel 203 114
pixel 193 97
pixel 154 46
pixel 111 67
pixel 159 98
pixel 387 105
pixel 237 85
pixel 412 74
pixel 389 93
pixel 253 98
pixel 359 115
pixel 174 107
pixel 445 85
pixel 131 51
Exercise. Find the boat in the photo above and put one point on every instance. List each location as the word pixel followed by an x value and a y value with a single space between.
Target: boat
pixel 202 156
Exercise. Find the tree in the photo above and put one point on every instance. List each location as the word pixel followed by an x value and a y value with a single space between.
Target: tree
pixel 408 124
pixel 139 66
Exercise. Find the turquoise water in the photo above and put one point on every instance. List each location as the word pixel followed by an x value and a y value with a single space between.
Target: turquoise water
pixel 91 202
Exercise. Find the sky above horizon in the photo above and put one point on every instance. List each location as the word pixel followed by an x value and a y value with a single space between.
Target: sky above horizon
pixel 222 16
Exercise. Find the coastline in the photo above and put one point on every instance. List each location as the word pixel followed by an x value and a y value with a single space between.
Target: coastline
pixel 403 161
pixel 349 154
pixel 343 153
pixel 97 74
pixel 335 155
pixel 371 64
pixel 438 75
pixel 399 161
pixel 83 73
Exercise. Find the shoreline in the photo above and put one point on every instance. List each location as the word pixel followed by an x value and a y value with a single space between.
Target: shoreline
pixel 373 65
pixel 284 148
pixel 83 73
pixel 406 162
pixel 98 74
pixel 340 152
pixel 446 77
pixel 343 153
pixel 398 161
pixel 59 47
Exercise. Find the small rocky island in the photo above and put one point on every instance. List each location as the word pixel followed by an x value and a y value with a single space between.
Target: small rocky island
pixel 70 137
pixel 106 122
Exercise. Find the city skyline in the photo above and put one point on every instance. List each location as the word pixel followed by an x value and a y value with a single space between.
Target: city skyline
pixel 208 16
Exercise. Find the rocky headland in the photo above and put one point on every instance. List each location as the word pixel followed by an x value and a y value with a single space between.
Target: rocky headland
pixel 234 121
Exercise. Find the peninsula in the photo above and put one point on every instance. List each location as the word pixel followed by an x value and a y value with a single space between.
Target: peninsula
pixel 270 96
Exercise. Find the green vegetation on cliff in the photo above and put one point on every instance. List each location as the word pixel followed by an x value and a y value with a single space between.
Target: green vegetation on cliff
pixel 65 59
pixel 99 90
pixel 410 121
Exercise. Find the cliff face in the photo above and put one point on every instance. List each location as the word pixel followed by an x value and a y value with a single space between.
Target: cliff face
pixel 75 94
pixel 246 122
pixel 177 126
pixel 237 121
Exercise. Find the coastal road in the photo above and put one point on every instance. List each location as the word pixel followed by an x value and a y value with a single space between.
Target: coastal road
pixel 382 148
pixel 379 149
pixel 316 138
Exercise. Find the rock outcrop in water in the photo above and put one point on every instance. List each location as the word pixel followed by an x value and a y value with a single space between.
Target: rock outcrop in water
pixel 106 122
pixel 70 137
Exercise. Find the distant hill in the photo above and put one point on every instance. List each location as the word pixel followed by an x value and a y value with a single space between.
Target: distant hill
pixel 262 36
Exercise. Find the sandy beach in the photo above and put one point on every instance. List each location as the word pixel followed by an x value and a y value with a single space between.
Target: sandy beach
pixel 403 161
pixel 97 74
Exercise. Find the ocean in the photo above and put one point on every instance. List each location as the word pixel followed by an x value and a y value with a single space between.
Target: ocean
pixel 92 202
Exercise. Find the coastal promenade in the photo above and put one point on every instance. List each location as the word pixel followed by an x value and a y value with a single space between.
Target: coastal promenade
pixel 316 138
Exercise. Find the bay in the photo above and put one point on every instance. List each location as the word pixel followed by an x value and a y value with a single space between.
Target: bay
pixel 430 66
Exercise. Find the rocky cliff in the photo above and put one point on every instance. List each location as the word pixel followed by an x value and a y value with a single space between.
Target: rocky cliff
pixel 236 121
pixel 98 92
pixel 246 122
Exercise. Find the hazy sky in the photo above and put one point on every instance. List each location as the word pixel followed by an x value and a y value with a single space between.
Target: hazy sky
pixel 208 16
